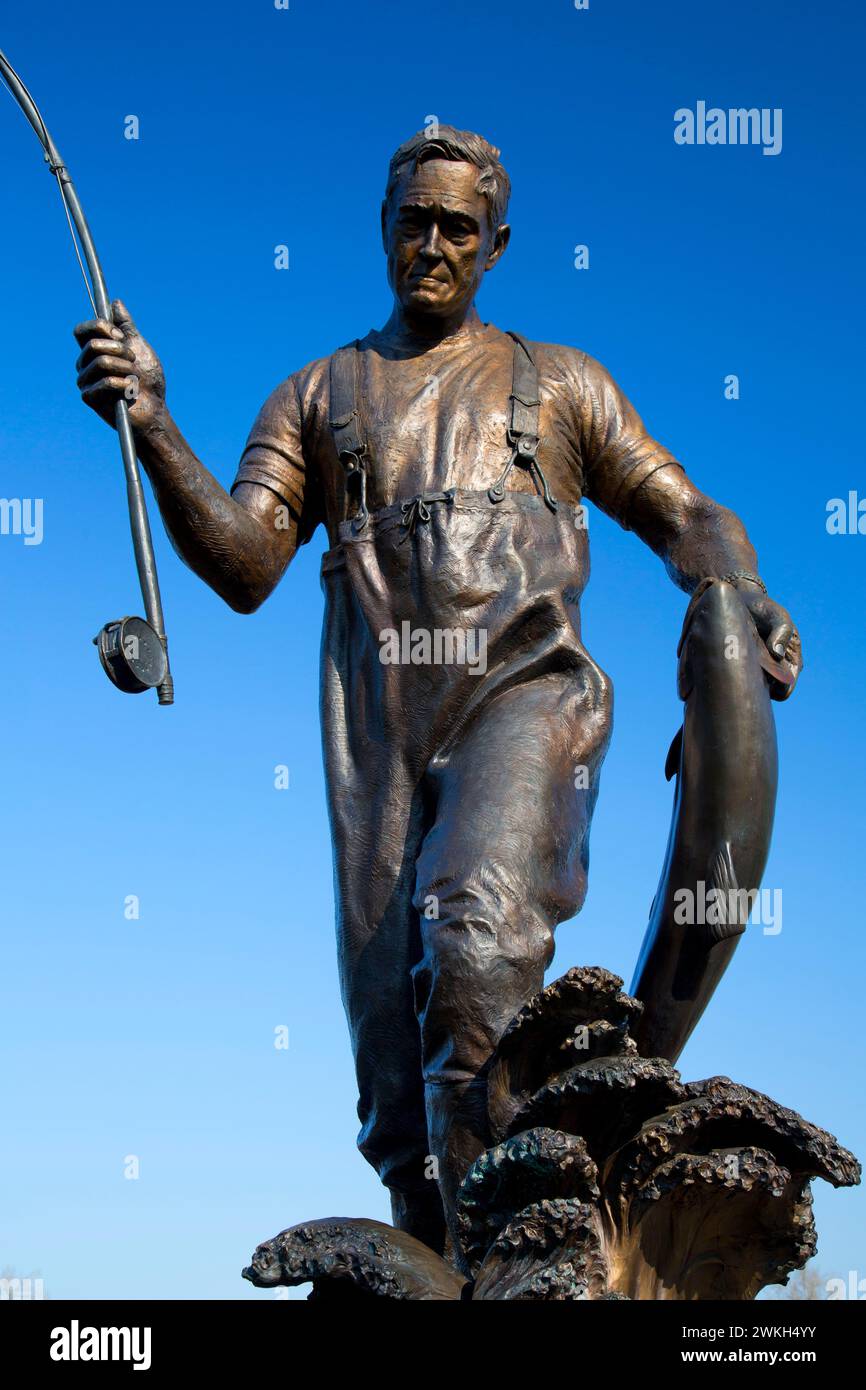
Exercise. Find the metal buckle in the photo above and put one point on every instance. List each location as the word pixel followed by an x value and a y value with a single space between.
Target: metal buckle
pixel 525 448
pixel 525 454
pixel 352 459
pixel 353 462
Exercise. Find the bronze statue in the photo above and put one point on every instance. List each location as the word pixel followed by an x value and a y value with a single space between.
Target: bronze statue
pixel 464 722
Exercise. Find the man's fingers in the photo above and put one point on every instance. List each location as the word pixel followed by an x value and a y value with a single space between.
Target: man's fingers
pixel 101 328
pixel 779 639
pixel 122 316
pixel 794 652
pixel 773 624
pixel 793 659
pixel 93 328
pixel 108 388
pixel 101 347
pixel 104 366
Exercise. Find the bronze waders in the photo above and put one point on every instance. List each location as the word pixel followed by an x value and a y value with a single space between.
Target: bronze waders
pixel 460 792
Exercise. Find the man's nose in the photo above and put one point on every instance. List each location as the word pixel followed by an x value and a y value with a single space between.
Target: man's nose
pixel 431 247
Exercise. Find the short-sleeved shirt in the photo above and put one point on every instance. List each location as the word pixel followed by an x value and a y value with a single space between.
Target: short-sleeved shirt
pixel 438 418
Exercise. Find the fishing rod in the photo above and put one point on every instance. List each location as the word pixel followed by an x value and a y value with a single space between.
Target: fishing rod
pixel 133 651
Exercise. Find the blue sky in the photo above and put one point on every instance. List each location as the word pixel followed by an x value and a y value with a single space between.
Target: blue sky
pixel 261 127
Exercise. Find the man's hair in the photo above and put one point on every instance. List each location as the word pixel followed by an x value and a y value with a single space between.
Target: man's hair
pixel 444 142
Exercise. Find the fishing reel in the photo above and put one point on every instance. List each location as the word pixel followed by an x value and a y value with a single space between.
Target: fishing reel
pixel 132 654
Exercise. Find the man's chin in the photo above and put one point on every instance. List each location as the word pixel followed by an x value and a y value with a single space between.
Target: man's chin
pixel 424 299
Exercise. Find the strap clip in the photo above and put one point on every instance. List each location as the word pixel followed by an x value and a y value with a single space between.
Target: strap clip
pixel 525 447
pixel 523 429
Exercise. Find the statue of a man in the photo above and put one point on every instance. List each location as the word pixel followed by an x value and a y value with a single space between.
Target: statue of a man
pixel 464 723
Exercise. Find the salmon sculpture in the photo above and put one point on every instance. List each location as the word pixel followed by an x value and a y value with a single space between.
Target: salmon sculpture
pixel 725 761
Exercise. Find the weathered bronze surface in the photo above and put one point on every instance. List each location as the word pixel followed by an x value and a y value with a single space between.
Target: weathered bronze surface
pixel 464 721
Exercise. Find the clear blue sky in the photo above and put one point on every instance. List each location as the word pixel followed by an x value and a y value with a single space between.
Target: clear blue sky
pixel 260 127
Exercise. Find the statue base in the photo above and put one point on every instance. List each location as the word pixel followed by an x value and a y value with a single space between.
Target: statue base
pixel 607 1178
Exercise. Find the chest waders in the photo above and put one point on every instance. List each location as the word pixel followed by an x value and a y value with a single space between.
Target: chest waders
pixel 464 726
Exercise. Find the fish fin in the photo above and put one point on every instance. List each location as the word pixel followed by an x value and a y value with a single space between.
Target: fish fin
pixel 723 878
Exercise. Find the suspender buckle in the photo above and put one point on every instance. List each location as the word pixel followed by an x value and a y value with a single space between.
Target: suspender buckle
pixel 526 447
pixel 353 459
pixel 354 462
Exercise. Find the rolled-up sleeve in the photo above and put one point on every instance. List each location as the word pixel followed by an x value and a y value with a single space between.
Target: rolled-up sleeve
pixel 618 453
pixel 273 455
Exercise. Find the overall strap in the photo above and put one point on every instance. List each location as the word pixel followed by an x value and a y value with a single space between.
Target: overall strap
pixel 524 393
pixel 523 433
pixel 345 425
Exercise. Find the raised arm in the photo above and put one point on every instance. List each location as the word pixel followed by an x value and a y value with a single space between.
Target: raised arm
pixel 636 481
pixel 239 544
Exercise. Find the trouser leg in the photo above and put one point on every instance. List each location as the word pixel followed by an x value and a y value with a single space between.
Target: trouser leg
pixel 505 860
pixel 378 944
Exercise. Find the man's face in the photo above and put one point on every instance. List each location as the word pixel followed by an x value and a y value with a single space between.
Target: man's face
pixel 436 233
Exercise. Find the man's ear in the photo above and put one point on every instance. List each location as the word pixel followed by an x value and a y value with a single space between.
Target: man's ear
pixel 385 225
pixel 500 241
